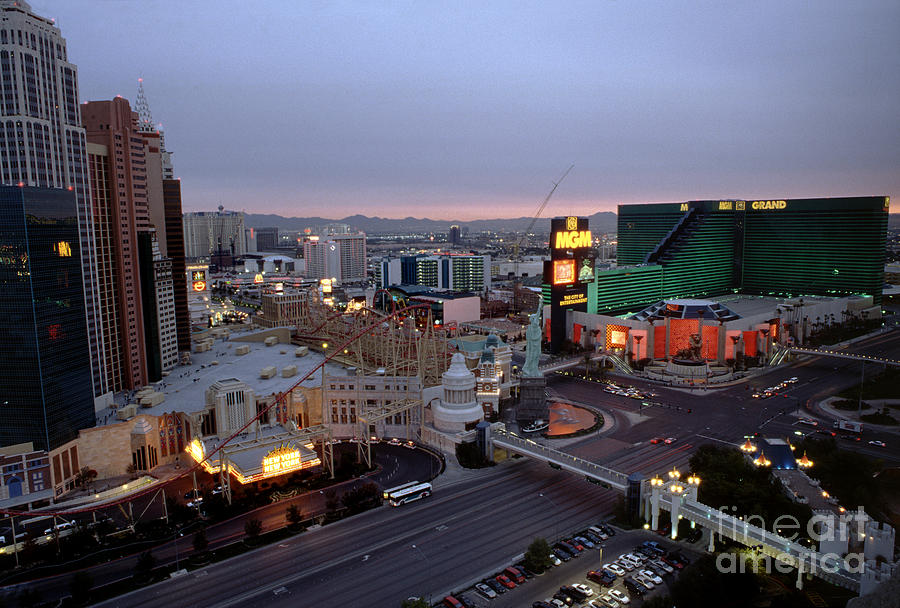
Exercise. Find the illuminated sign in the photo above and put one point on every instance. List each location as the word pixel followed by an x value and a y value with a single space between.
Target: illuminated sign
pixel 281 460
pixel 760 205
pixel 725 205
pixel 571 299
pixel 64 249
pixel 740 206
pixel 198 275
pixel 572 239
pixel 571 223
pixel 586 272
pixel 616 336
pixel 684 207
pixel 199 285
pixel 258 278
pixel 563 272
pixel 326 285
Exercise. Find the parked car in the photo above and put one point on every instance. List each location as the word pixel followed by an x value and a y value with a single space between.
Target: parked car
pixel 646 582
pixel 541 604
pixel 650 575
pixel 566 599
pixel 514 575
pixel 554 560
pixel 584 589
pixel 452 602
pixel 604 601
pixel 663 566
pixel 619 596
pixel 602 577
pixel 584 542
pixel 505 581
pixel 525 571
pixel 64 525
pixel 485 591
pixel 635 587
pixel 615 569
pixel 495 586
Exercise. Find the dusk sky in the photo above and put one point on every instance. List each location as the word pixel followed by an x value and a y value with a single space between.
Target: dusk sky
pixel 465 110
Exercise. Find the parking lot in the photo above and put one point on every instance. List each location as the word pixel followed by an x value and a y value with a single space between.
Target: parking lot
pixel 544 586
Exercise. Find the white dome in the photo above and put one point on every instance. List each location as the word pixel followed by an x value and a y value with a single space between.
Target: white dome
pixel 458 406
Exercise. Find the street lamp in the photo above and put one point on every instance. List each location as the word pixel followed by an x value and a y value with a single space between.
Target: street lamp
pixel 555 519
pixel 428 563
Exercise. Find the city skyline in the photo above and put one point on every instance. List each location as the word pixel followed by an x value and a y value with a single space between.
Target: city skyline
pixel 458 114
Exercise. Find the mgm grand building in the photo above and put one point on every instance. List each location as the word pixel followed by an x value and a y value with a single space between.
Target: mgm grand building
pixel 701 284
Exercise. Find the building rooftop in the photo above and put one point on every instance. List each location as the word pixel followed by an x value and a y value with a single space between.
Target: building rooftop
pixel 185 386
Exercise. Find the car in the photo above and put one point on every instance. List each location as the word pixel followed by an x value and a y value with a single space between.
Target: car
pixel 670 440
pixel 505 581
pixel 619 596
pixel 566 599
pixel 878 443
pixel 807 422
pixel 217 489
pixel 525 571
pixel 655 569
pixel 541 604
pixel 394 441
pixel 638 559
pixel 608 529
pixel 554 560
pixel 605 601
pixel 514 575
pixel 756 395
pixel 646 582
pixel 584 542
pixel 195 503
pixel 584 589
pixel 495 586
pixel 592 537
pixel 485 591
pixel 615 569
pixel 792 380
pixel 601 577
pixel 65 525
pixel 452 602
pixel 656 440
pixel 663 566
pixel 556 603
pixel 635 586
pixel 561 554
pixel 626 563
pixel 575 544
pixel 851 437
pixel 600 532
pixel 410 444
pixel 649 574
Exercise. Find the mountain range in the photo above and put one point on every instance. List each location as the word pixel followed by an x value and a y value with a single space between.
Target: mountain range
pixel 600 222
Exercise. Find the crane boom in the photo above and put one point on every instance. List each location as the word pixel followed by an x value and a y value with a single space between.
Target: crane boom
pixel 544 204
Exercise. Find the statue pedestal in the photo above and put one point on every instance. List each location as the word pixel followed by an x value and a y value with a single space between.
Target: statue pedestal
pixel 532 401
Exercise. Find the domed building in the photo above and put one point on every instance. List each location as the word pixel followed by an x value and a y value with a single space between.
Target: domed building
pixel 458 408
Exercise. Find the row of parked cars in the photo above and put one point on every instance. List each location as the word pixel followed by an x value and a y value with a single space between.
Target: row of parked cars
pixel 517 574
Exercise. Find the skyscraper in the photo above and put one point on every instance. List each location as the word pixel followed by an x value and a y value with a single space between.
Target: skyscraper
pixel 45 376
pixel 336 256
pixel 41 140
pixel 120 196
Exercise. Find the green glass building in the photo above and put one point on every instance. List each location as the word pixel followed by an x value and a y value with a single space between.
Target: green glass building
pixel 785 248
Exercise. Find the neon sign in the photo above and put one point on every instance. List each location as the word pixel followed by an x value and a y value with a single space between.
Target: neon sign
pixel 572 239
pixel 563 272
pixel 199 285
pixel 759 205
pixel 281 460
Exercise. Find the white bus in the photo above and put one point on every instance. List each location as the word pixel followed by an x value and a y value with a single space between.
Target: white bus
pixel 409 484
pixel 410 494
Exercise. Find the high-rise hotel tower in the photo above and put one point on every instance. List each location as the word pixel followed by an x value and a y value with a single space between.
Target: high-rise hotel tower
pixel 42 142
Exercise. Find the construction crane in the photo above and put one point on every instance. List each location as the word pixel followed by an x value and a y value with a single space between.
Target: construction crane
pixel 515 255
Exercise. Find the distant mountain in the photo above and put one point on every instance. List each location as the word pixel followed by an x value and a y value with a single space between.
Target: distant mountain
pixel 600 222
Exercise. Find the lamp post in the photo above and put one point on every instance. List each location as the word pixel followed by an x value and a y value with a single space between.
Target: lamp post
pixel 428 564
pixel 555 519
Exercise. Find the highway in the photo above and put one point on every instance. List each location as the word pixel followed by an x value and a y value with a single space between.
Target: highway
pixel 460 533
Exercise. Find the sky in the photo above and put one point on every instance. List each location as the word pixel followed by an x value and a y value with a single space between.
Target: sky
pixel 467 110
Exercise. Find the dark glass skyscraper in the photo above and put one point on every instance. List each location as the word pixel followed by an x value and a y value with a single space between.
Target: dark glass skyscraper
pixel 46 391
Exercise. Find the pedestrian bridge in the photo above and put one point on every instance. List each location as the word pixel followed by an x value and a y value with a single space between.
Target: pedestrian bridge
pixel 680 500
pixel 822 352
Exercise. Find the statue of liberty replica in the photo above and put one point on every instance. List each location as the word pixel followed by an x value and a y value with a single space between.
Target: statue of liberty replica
pixel 532 406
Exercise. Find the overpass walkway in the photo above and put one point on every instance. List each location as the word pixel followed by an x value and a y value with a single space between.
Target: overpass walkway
pixel 828 567
pixel 842 355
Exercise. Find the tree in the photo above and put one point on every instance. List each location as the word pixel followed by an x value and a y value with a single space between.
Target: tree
pixel 537 557
pixel 293 515
pixel 331 501
pixel 358 499
pixel 85 476
pixel 252 528
pixel 201 544
pixel 414 602
pixel 80 587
